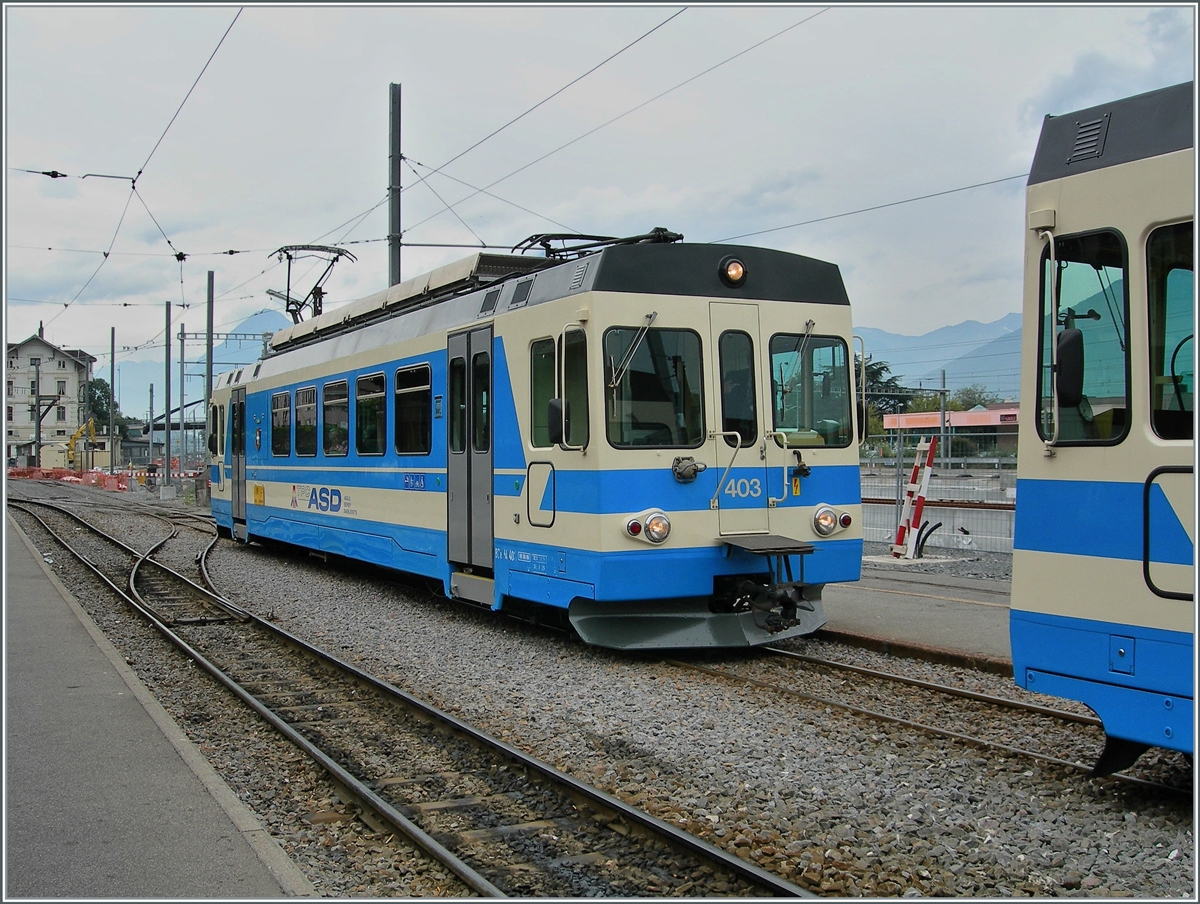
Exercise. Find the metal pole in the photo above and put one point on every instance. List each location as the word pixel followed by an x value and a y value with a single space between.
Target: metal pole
pixel 167 406
pixel 208 358
pixel 150 461
pixel 37 413
pixel 182 416
pixel 942 431
pixel 394 174
pixel 112 399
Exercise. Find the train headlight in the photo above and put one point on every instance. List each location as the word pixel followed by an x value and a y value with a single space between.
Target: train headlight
pixel 732 272
pixel 825 521
pixel 658 527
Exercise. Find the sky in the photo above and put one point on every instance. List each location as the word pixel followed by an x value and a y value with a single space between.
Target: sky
pixel 773 125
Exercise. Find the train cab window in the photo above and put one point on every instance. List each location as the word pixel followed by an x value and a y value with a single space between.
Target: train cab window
pixel 414 426
pixel 810 390
pixel 1086 293
pixel 575 387
pixel 456 424
pixel 653 388
pixel 739 405
pixel 281 423
pixel 306 421
pixel 481 391
pixel 212 429
pixel 541 390
pixel 335 418
pixel 370 414
pixel 1171 299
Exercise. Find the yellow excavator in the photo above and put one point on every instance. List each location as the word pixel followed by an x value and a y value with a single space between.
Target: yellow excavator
pixel 90 427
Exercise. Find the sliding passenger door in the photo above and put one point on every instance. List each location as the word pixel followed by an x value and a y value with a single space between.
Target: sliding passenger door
pixel 469 539
pixel 237 451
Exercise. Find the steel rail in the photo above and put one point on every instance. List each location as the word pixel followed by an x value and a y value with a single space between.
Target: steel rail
pixel 921 726
pixel 941 688
pixel 363 795
pixel 371 801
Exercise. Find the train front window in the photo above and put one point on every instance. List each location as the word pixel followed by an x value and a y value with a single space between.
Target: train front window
pixel 1091 297
pixel 281 423
pixel 1171 298
pixel 657 401
pixel 739 406
pixel 306 421
pixel 335 423
pixel 810 390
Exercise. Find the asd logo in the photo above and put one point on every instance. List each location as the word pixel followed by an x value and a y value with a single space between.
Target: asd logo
pixel 324 499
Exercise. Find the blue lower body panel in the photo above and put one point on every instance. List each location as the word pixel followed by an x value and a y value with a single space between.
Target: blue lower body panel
pixel 1139 681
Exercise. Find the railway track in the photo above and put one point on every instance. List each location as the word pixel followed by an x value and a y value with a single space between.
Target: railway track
pixel 920 703
pixel 501 821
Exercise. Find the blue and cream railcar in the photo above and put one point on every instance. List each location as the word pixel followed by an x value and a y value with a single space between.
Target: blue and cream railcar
pixel 653 441
pixel 1103 566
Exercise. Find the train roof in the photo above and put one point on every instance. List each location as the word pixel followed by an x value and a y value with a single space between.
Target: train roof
pixel 649 268
pixel 1121 131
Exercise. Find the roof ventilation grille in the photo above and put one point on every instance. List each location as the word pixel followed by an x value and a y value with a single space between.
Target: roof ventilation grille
pixel 577 279
pixel 1089 139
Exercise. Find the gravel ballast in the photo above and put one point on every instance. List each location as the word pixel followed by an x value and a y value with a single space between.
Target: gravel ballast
pixel 837 803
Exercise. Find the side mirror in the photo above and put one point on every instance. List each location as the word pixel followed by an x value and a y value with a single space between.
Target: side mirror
pixel 861 411
pixel 1068 381
pixel 212 443
pixel 558 420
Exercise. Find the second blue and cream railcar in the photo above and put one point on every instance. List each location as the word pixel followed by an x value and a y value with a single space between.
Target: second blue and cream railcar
pixel 653 441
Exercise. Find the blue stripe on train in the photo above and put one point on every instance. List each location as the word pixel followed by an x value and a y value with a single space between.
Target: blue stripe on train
pixel 1097 518
pixel 1138 680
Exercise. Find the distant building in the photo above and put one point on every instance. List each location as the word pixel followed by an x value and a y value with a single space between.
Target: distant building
pixel 984 430
pixel 37 369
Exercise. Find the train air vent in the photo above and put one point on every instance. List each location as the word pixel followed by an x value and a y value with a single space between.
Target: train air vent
pixel 1089 140
pixel 577 279
pixel 521 295
pixel 489 302
pixel 237 378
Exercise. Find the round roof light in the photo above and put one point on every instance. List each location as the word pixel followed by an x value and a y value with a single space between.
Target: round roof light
pixel 732 272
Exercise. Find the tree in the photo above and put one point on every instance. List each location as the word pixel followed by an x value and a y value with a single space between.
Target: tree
pixel 967 397
pixel 932 401
pixel 97 402
pixel 884 392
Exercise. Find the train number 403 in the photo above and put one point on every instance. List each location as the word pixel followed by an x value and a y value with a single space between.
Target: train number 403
pixel 743 488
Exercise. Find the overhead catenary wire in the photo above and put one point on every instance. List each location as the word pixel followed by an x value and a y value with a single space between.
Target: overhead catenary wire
pixel 646 103
pixel 550 97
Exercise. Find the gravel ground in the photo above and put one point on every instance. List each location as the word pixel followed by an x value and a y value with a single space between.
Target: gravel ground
pixel 995 566
pixel 838 803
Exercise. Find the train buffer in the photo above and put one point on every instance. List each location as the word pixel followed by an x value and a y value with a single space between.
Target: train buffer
pixel 774 604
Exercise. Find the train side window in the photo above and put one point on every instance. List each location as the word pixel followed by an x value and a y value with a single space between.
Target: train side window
pixel 335 418
pixel 481 390
pixel 1171 300
pixel 658 400
pixel 541 390
pixel 575 387
pixel 221 437
pixel 1092 297
pixel 370 414
pixel 457 401
pixel 414 426
pixel 306 421
pixel 810 390
pixel 739 407
pixel 212 429
pixel 281 423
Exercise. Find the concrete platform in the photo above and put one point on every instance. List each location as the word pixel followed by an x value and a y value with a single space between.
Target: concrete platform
pixel 105 796
pixel 962 621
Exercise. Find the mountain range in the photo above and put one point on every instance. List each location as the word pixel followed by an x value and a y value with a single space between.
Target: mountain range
pixel 988 354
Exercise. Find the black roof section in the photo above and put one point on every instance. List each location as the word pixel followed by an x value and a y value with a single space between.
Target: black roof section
pixel 683 269
pixel 1121 131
